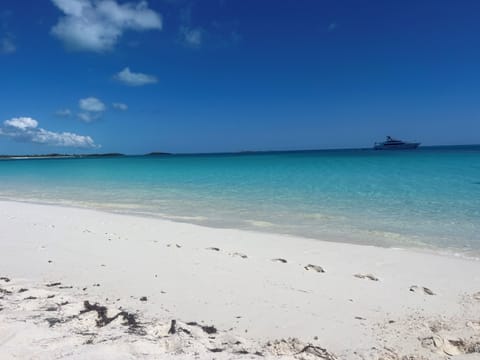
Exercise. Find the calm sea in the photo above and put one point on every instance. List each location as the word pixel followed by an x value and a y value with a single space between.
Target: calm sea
pixel 428 198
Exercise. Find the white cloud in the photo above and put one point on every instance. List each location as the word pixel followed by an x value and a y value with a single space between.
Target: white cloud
pixel 63 112
pixel 91 109
pixel 88 117
pixel 91 104
pixel 135 79
pixel 120 106
pixel 26 129
pixel 192 37
pixel 22 123
pixel 7 45
pixel 66 139
pixel 98 25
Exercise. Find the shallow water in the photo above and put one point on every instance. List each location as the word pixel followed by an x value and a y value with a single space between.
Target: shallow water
pixel 427 198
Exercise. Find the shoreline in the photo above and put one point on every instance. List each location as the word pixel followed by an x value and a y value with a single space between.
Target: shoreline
pixel 355 301
pixel 426 249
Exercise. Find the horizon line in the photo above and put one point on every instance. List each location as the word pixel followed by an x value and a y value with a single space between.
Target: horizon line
pixel 239 152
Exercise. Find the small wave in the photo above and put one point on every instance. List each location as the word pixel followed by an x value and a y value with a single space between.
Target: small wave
pixel 259 223
pixel 179 217
pixel 386 234
pixel 318 216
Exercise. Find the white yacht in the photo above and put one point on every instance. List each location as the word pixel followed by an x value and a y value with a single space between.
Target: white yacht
pixel 393 144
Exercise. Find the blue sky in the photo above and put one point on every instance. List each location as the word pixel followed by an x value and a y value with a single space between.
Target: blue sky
pixel 232 75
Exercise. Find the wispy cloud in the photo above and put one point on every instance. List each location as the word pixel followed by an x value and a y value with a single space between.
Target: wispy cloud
pixel 332 26
pixel 88 117
pixel 7 46
pixel 120 106
pixel 195 34
pixel 7 39
pixel 134 79
pixel 98 25
pixel 25 129
pixel 92 109
pixel 191 37
pixel 63 112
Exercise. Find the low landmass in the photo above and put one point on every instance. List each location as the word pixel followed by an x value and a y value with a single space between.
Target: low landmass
pixel 59 156
pixel 158 153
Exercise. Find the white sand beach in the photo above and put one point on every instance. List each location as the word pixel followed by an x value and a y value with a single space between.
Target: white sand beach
pixel 232 294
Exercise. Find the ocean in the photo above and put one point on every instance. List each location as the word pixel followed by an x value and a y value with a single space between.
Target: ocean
pixel 427 198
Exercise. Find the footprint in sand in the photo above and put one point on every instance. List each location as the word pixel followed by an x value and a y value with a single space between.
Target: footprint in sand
pixel 366 276
pixel 280 260
pixel 237 254
pixel 213 249
pixel 476 296
pixel 316 268
pixel 415 288
pixel 176 245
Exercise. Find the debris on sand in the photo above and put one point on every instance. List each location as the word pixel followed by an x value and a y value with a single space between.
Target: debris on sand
pixel 293 346
pixel 103 319
pixel 451 346
pixel 208 339
pixel 173 327
pixel 208 329
pixel 52 321
pixel 5 292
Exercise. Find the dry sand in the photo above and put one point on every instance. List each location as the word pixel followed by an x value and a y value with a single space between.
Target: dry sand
pixel 84 284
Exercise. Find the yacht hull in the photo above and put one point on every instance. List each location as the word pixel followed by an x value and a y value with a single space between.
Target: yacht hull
pixel 404 146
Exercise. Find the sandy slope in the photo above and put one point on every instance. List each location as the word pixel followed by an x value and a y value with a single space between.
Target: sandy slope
pixel 411 304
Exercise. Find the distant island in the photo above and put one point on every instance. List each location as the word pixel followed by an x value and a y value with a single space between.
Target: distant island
pixel 158 153
pixel 70 156
pixel 59 156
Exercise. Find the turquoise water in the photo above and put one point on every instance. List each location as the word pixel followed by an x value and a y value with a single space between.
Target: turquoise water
pixel 427 198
